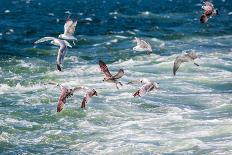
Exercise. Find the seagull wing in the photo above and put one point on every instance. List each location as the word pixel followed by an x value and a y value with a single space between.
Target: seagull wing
pixel 145 44
pixel 179 60
pixel 60 56
pixel 62 98
pixel 104 69
pixel 144 89
pixel 72 27
pixel 119 74
pixel 89 94
pixel 44 39
pixel 67 25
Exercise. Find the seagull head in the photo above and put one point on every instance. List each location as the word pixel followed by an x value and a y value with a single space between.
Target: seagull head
pixel 156 85
pixel 60 36
pixel 193 55
pixel 94 92
pixel 135 40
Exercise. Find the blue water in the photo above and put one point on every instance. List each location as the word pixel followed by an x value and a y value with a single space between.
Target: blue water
pixel 190 114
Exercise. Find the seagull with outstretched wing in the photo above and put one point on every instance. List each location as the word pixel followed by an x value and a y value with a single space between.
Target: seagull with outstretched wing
pixel 108 76
pixel 63 44
pixel 148 85
pixel 66 93
pixel 69 30
pixel 142 46
pixel 188 57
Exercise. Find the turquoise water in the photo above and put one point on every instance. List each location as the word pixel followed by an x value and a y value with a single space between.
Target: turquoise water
pixel 190 114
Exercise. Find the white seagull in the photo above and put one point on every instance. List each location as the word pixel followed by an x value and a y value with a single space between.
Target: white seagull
pixel 108 76
pixel 62 50
pixel 191 56
pixel 142 46
pixel 66 93
pixel 148 85
pixel 69 30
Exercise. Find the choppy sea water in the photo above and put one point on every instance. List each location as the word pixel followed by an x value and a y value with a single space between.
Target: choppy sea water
pixel 190 114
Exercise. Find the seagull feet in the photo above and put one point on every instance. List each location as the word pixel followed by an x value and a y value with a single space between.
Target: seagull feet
pixel 196 64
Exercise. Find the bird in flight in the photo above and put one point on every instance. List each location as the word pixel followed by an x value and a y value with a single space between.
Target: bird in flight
pixel 209 11
pixel 66 93
pixel 191 56
pixel 108 76
pixel 142 46
pixel 63 44
pixel 148 85
pixel 69 30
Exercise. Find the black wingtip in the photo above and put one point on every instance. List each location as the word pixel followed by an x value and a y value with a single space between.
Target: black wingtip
pixel 174 73
pixel 58 67
pixel 136 94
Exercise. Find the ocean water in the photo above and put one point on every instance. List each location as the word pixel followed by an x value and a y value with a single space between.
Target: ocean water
pixel 190 114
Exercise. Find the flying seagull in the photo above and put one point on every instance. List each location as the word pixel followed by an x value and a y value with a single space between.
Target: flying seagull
pixel 69 30
pixel 108 76
pixel 209 11
pixel 63 44
pixel 66 93
pixel 148 85
pixel 191 56
pixel 142 46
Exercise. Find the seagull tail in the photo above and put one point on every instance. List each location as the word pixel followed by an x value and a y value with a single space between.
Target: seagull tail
pixel 58 67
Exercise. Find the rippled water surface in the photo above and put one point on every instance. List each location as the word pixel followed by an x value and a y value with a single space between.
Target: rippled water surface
pixel 190 114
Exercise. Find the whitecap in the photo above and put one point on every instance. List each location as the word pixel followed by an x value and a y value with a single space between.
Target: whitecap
pixel 68 12
pixel 146 13
pixel 7 11
pixel 121 37
pixel 51 14
pixel 89 19
pixel 113 13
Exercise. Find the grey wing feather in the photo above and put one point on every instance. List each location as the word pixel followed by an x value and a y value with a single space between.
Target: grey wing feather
pixel 145 88
pixel 119 74
pixel 177 64
pixel 61 54
pixel 44 39
pixel 179 60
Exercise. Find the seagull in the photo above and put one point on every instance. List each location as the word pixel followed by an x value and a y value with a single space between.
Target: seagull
pixel 184 58
pixel 62 50
pixel 66 93
pixel 108 76
pixel 209 11
pixel 69 29
pixel 142 46
pixel 148 85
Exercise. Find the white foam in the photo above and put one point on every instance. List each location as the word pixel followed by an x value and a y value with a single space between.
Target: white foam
pixel 51 14
pixel 7 11
pixel 89 19
pixel 68 12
